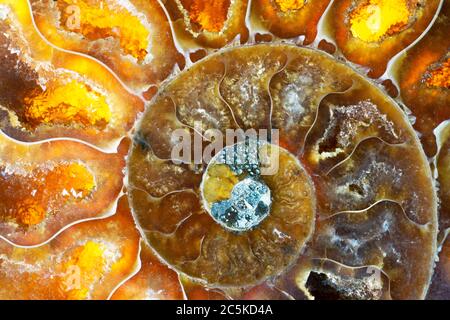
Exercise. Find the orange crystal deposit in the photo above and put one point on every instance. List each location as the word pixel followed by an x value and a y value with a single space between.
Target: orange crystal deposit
pixel 86 261
pixel 210 24
pixel 45 187
pixel 209 16
pixel 48 93
pixel 289 18
pixel 424 79
pixel 371 32
pixel 132 37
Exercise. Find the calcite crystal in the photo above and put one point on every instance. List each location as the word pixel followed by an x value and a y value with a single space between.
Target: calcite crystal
pixel 423 75
pixel 48 186
pixel 207 24
pixel 371 32
pixel 48 93
pixel 288 18
pixel 86 261
pixel 132 37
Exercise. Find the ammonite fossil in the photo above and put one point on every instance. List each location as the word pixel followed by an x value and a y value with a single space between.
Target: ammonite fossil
pixel 229 149
pixel 346 169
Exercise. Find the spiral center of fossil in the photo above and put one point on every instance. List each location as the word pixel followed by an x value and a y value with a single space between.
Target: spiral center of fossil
pixel 248 205
pixel 233 191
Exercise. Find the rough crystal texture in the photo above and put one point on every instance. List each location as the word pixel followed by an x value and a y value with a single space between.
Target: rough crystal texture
pixel 248 206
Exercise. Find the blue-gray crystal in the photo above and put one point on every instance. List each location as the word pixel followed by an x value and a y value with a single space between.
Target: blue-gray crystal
pixel 248 205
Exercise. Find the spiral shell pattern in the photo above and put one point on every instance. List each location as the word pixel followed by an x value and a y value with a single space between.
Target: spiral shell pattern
pixel 351 171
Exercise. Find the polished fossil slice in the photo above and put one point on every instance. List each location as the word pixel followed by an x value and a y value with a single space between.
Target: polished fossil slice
pixel 353 188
